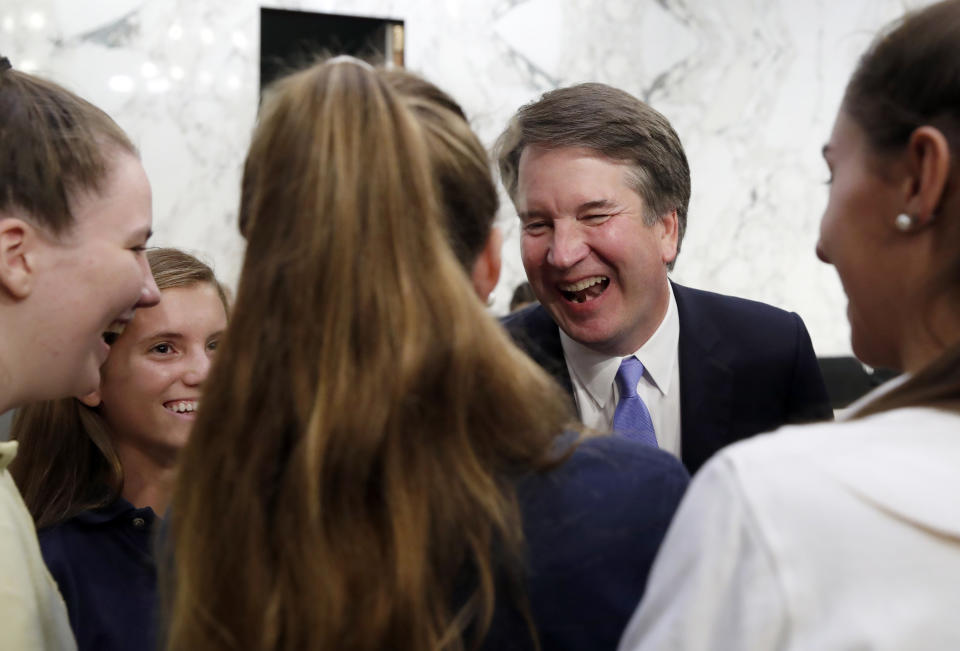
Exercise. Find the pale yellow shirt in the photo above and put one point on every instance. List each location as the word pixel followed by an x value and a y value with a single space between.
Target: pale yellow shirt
pixel 595 389
pixel 32 612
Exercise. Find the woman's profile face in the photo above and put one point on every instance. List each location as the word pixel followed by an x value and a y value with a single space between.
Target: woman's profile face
pixel 93 277
pixel 153 378
pixel 858 237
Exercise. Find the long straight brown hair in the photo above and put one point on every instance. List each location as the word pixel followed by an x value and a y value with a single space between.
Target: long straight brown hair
pixel 66 462
pixel 908 78
pixel 365 419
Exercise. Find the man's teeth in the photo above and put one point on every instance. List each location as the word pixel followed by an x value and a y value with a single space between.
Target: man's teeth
pixel 583 284
pixel 183 406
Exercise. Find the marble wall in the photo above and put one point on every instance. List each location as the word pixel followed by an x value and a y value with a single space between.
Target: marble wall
pixel 751 86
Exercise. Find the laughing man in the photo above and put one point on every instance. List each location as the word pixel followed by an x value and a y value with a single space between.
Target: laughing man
pixel 601 185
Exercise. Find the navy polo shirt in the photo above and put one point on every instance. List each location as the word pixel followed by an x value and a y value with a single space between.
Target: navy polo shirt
pixel 102 561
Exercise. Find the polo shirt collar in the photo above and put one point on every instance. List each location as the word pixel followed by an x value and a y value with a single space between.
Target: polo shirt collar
pixel 116 509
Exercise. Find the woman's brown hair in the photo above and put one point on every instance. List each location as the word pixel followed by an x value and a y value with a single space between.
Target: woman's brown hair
pixel 54 145
pixel 66 463
pixel 908 78
pixel 461 166
pixel 354 456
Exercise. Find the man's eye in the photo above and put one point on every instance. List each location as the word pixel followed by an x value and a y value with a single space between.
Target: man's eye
pixel 535 227
pixel 595 218
pixel 163 349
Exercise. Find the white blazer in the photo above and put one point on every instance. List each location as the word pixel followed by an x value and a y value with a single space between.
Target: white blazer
pixel 833 536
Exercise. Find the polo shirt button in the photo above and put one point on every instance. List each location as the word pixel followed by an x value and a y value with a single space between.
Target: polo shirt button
pixel 139 523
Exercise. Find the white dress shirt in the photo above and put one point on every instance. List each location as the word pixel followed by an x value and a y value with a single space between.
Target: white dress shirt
pixel 595 389
pixel 835 536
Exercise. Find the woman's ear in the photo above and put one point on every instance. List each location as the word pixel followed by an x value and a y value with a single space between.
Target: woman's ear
pixel 92 399
pixel 928 161
pixel 17 239
pixel 486 268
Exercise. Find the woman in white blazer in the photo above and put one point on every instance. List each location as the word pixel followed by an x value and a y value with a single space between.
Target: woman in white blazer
pixel 847 535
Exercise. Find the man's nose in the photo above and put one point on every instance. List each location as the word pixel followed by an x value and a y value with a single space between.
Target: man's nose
pixel 568 245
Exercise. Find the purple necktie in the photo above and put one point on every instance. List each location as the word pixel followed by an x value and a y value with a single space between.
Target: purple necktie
pixel 632 418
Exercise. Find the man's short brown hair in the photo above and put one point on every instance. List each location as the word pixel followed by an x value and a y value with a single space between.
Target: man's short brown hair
pixel 615 124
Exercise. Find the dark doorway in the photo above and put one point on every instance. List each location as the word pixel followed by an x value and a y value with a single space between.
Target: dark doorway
pixel 290 40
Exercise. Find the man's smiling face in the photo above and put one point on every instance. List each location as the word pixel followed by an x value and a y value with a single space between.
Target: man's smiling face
pixel 593 262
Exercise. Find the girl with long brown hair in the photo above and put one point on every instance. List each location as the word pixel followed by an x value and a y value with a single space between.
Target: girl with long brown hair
pixel 75 215
pixel 375 465
pixel 847 536
pixel 96 501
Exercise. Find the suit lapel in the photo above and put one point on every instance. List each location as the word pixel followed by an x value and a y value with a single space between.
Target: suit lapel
pixel 552 358
pixel 706 387
pixel 535 331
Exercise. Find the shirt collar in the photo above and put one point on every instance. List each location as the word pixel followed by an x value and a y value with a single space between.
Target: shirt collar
pixel 596 371
pixel 8 451
pixel 113 511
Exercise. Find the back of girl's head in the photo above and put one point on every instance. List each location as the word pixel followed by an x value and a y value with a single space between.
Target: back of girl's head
pixel 341 219
pixel 66 462
pixel 364 409
pixel 52 144
pixel 461 165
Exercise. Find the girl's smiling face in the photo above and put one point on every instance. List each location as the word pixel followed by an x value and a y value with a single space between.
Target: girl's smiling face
pixel 153 377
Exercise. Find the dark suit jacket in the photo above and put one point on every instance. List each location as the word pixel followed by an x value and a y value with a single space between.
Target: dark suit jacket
pixel 592 528
pixel 745 368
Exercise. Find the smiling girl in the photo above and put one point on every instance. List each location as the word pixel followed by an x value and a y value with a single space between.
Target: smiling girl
pixel 96 502
pixel 75 216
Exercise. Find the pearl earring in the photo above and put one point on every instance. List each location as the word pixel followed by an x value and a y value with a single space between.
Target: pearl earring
pixel 903 222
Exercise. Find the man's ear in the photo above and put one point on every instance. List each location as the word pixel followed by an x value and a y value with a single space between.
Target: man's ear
pixel 669 231
pixel 16 239
pixel 486 268
pixel 928 160
pixel 92 399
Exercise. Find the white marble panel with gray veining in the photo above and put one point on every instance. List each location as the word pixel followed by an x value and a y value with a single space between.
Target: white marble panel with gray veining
pixel 751 86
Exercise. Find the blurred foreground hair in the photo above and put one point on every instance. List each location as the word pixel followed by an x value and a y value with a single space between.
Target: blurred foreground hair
pixel 353 461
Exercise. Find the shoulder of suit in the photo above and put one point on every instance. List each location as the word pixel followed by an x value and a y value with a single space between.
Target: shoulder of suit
pixel 610 456
pixel 532 313
pixel 531 321
pixel 607 483
pixel 691 300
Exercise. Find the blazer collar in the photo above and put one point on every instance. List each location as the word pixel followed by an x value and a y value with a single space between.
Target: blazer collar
pixel 706 387
pixel 538 334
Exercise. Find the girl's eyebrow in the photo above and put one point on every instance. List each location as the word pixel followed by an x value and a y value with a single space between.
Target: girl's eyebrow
pixel 167 334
